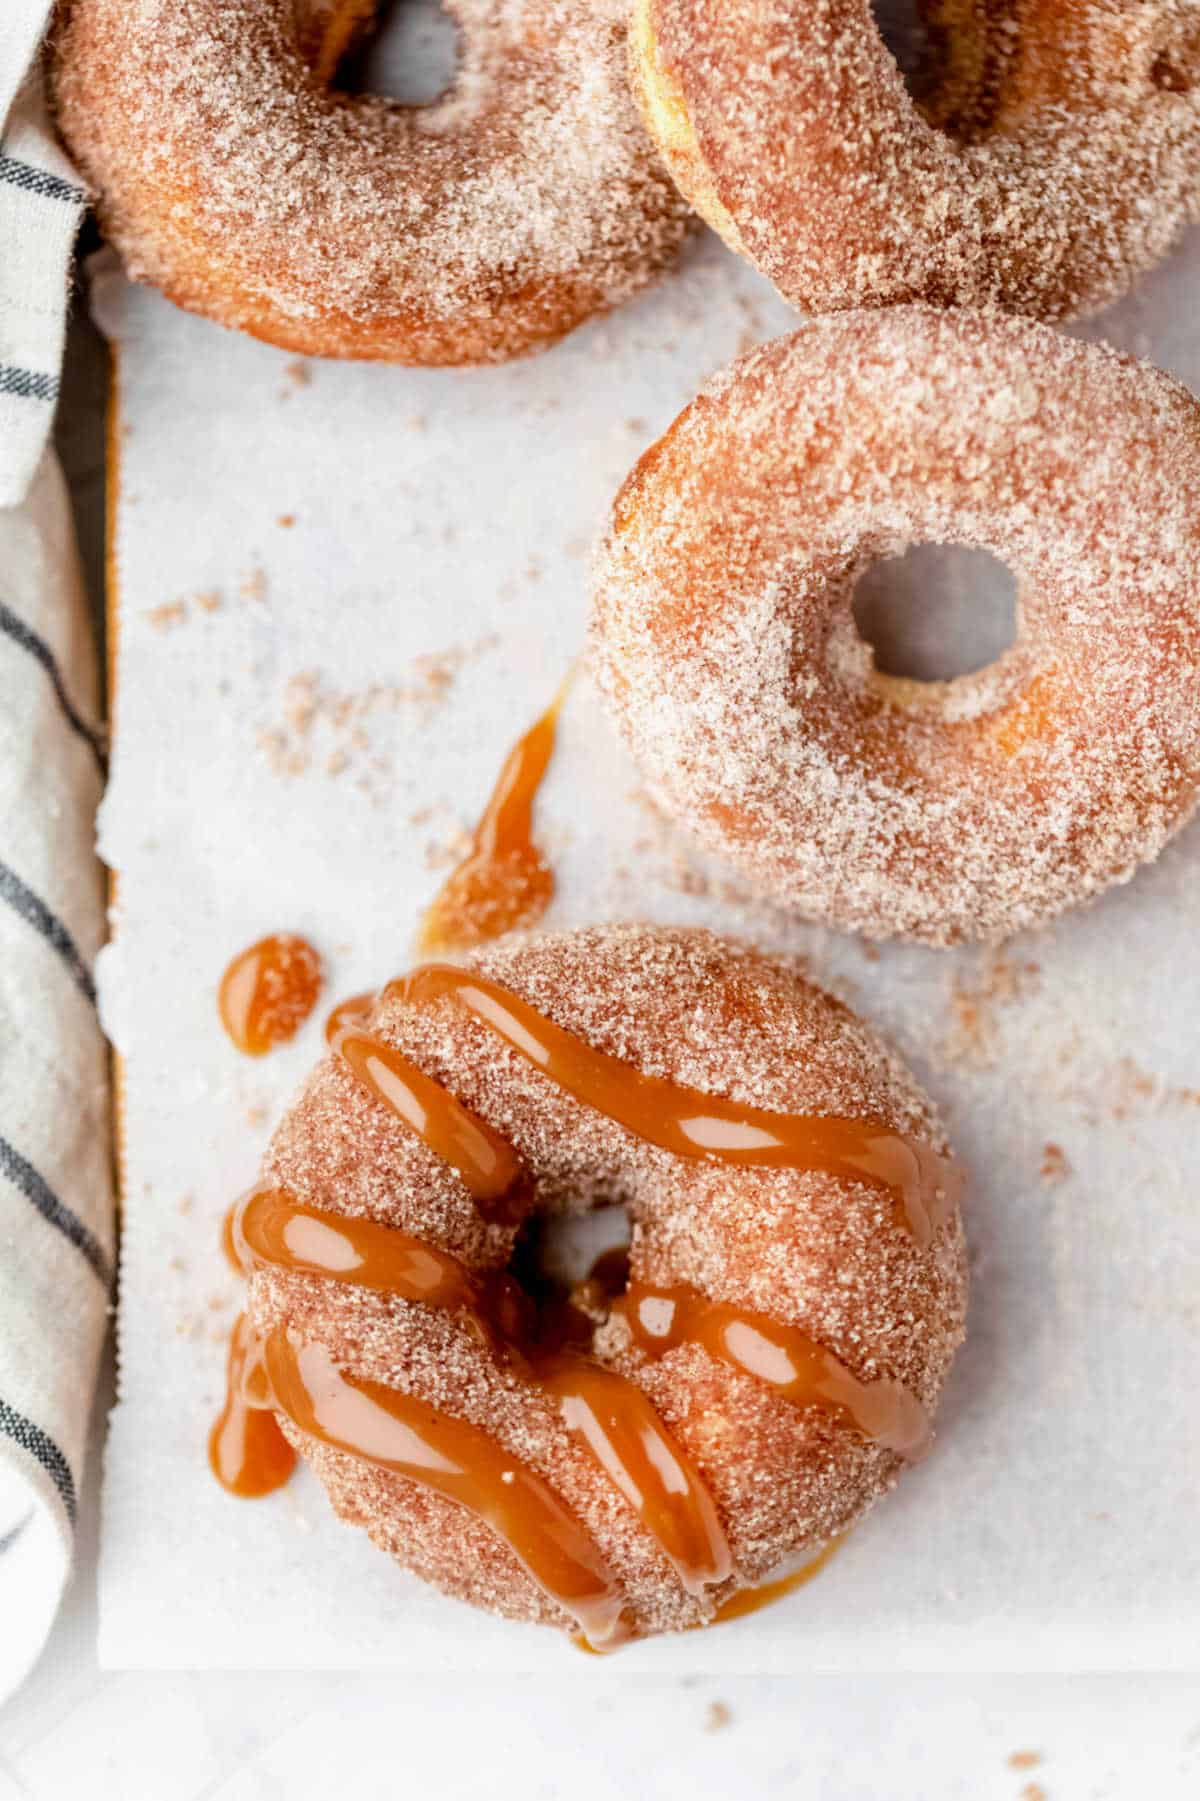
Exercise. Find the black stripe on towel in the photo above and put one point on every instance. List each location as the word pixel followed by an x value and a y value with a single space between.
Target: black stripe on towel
pixel 14 627
pixel 13 1534
pixel 27 384
pixel 41 1446
pixel 38 1191
pixel 36 913
pixel 38 181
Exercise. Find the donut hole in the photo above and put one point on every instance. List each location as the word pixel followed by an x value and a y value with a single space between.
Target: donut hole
pixel 902 29
pixel 555 1253
pixel 936 612
pixel 1169 76
pixel 410 54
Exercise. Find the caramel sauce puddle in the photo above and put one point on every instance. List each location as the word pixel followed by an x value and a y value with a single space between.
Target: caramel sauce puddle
pixel 268 991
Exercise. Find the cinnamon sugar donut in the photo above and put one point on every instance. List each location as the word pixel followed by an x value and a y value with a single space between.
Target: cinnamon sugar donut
pixel 801 1231
pixel 724 639
pixel 231 175
pixel 1055 154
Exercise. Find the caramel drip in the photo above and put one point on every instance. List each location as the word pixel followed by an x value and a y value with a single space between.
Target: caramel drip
pixel 689 1123
pixel 504 881
pixel 781 1357
pixel 247 1451
pixel 268 991
pixel 395 1432
pixel 483 1158
pixel 749 1600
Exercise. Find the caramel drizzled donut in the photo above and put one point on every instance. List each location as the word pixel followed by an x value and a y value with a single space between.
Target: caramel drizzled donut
pixel 795 1298
pixel 229 173
pixel 1055 154
pixel 724 639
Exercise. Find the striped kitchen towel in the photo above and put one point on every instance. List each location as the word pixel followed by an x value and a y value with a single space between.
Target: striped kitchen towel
pixel 40 206
pixel 56 1208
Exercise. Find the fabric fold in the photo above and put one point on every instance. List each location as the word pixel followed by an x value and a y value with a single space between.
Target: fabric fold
pixel 57 1244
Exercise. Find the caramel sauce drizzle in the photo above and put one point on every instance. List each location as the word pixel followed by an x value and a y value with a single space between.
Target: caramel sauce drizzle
pixel 782 1357
pixel 607 1413
pixel 504 881
pixel 690 1123
pixel 271 1228
pixel 484 1159
pixel 396 1432
pixel 620 1427
pixel 247 1451
pixel 268 991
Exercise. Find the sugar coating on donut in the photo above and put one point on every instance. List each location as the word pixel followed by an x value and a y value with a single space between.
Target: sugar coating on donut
pixel 1054 155
pixel 724 640
pixel 809 1249
pixel 228 173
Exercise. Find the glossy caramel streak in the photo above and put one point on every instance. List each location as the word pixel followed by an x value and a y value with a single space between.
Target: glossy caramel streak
pixel 619 1426
pixel 692 1124
pixel 460 1461
pixel 272 1228
pixel 355 1010
pixel 504 881
pixel 782 1357
pixel 483 1158
pixel 247 1451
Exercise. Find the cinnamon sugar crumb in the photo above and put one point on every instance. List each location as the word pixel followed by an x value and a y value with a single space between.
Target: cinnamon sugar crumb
pixel 975 1000
pixel 168 614
pixel 1125 1089
pixel 331 730
pixel 1024 1760
pixel 718 1716
pixel 1056 1165
pixel 286 520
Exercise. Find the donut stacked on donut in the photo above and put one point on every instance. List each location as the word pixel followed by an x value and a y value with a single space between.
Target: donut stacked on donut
pixel 231 175
pixel 847 1260
pixel 1056 154
pixel 724 640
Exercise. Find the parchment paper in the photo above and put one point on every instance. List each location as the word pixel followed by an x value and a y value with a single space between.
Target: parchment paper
pixel 342 591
